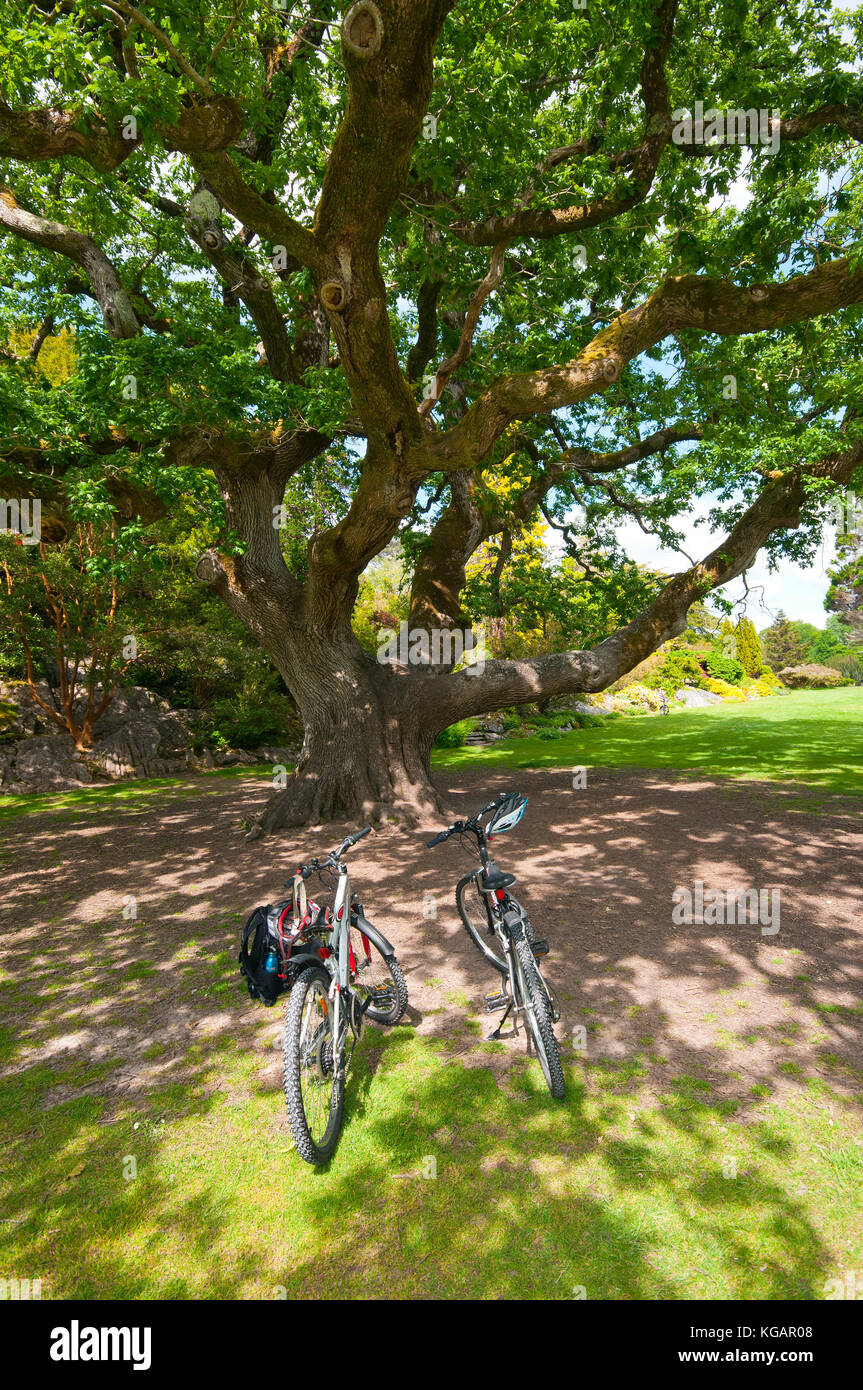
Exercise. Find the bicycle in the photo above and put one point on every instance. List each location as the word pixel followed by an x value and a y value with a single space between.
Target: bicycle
pixel 487 907
pixel 329 1000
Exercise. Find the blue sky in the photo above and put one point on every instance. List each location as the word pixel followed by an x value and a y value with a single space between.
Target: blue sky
pixel 800 592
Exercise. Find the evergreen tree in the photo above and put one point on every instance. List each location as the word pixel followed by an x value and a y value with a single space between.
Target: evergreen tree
pixel 781 645
pixel 748 647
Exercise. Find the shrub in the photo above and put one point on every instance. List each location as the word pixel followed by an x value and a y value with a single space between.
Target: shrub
pixel 811 676
pixel 724 668
pixel 639 695
pixel 848 664
pixel 725 689
pixel 455 736
pixel 241 724
pixel 581 720
pixel 757 690
pixel 748 647
pixel 8 718
pixel 771 678
pixel 677 668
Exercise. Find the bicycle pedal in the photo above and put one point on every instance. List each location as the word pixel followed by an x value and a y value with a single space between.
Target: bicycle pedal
pixel 539 947
pixel 381 994
pixel 495 1000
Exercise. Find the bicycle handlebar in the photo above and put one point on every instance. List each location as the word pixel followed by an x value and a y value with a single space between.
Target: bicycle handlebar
pixel 332 859
pixel 352 839
pixel 459 826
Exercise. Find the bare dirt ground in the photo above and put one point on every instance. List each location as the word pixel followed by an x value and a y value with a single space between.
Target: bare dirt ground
pixel 596 869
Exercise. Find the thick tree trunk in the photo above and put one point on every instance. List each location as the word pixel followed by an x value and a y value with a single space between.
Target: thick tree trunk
pixel 369 727
pixel 368 738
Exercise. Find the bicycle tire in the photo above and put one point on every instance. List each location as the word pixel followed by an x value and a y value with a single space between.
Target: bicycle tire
pixel 473 929
pixel 390 1016
pixel 310 1148
pixel 539 1018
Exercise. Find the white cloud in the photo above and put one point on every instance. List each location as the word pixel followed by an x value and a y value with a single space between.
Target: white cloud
pixel 799 591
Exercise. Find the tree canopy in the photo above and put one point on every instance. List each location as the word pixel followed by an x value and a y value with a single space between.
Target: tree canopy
pixel 436 272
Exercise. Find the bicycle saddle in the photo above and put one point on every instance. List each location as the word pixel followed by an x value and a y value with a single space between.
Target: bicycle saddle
pixel 493 878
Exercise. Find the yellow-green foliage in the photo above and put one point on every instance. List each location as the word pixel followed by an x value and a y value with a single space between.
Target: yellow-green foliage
pixel 382 602
pixel 770 678
pixel 56 359
pixel 644 668
pixel 8 716
pixel 726 690
pixel 520 632
pixel 748 647
pixel 755 690
pixel 638 695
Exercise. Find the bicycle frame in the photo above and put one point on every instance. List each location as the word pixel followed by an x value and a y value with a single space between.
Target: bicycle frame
pixel 346 915
pixel 493 918
pixel 496 915
pixel 525 991
pixel 520 1002
pixel 341 936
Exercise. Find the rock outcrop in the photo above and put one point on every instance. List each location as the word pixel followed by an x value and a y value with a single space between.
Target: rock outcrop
pixel 694 699
pixel 138 736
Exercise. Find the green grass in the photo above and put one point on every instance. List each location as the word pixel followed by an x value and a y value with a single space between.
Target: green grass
pixel 648 1182
pixel 624 1195
pixel 814 737
pixel 132 792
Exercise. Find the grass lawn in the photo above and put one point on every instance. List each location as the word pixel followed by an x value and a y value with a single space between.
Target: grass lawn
pixel 120 793
pixel 175 1176
pixel 814 737
pixel 445 1184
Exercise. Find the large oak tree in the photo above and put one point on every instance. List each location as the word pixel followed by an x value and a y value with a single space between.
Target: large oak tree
pixel 441 271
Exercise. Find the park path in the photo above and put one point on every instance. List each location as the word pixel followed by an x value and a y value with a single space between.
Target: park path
pixel 597 868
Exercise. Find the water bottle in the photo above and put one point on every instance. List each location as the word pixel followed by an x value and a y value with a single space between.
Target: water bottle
pixel 271 964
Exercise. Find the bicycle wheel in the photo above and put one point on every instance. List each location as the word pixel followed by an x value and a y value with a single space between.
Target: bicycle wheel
pixel 381 976
pixel 313 1094
pixel 539 1017
pixel 474 912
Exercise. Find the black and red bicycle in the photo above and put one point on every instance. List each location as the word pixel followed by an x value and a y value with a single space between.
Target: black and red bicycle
pixel 499 927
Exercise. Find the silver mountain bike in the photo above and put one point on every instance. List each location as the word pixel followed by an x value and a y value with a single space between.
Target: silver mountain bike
pixel 349 973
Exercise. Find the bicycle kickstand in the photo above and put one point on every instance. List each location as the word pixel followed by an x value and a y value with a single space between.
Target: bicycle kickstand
pixel 496 1033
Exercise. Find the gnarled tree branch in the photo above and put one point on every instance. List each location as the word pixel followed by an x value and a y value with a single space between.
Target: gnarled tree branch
pixel 117 313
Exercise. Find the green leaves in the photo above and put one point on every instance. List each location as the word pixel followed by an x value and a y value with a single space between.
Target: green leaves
pixel 512 85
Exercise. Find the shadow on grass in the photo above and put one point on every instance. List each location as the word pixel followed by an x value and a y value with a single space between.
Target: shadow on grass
pixel 628 1189
pixel 447 1183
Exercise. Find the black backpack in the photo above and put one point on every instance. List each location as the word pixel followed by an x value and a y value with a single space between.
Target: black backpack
pixel 262 944
pixel 274 935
